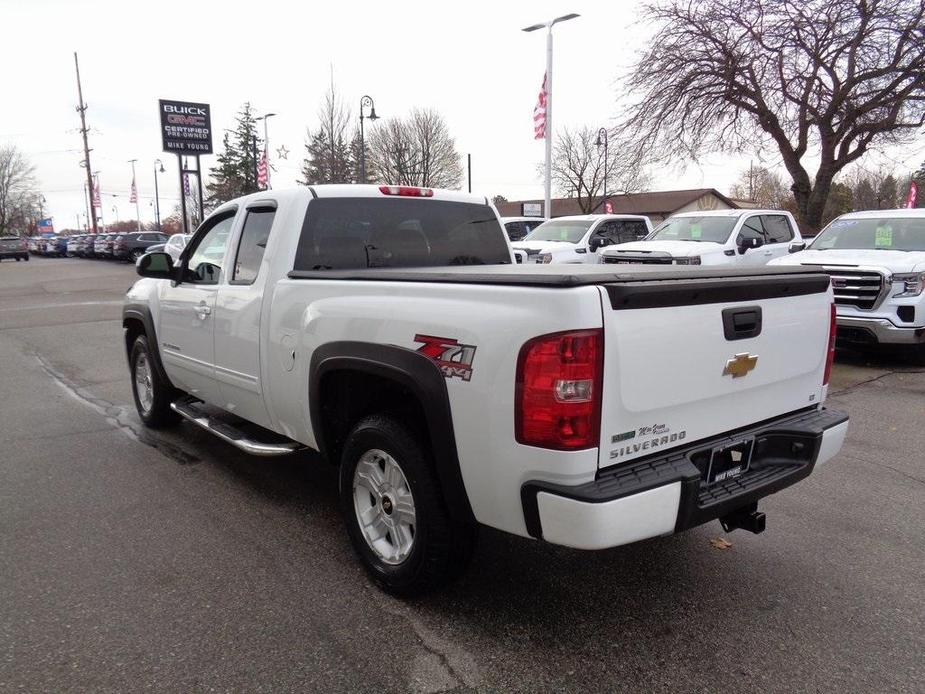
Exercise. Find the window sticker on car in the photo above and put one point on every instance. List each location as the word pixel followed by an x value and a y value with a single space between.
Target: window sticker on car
pixel 884 237
pixel 696 231
pixel 451 357
pixel 563 234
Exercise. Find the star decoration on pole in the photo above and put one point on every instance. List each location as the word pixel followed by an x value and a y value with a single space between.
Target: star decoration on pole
pixel 282 152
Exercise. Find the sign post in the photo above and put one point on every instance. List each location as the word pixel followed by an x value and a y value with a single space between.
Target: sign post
pixel 186 128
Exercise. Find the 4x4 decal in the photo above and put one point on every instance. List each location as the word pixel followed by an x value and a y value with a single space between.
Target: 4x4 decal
pixel 453 358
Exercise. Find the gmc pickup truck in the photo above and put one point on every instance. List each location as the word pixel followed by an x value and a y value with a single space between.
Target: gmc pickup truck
pixel 388 329
pixel 877 263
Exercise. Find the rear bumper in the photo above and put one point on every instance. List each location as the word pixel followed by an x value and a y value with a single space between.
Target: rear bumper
pixel 877 331
pixel 663 495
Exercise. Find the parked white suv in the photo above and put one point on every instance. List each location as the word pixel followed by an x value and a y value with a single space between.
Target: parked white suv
pixel 578 238
pixel 720 237
pixel 876 260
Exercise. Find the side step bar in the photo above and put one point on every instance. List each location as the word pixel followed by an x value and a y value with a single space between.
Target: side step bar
pixel 191 410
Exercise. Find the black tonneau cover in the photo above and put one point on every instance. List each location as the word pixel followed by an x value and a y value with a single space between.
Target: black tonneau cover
pixel 549 275
pixel 634 286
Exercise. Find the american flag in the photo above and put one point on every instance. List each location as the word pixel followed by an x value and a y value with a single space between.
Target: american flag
pixel 133 196
pixel 186 190
pixel 539 113
pixel 262 171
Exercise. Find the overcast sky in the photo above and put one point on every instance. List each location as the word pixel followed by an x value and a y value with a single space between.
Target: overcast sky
pixel 470 60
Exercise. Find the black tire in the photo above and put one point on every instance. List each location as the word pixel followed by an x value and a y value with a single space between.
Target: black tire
pixel 158 415
pixel 441 547
pixel 136 254
pixel 26 259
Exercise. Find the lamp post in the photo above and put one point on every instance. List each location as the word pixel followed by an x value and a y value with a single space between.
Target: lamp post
pixel 158 168
pixel 602 141
pixel 365 102
pixel 548 26
pixel 266 145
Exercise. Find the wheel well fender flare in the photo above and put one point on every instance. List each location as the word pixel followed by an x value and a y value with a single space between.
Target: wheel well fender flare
pixel 417 374
pixel 139 313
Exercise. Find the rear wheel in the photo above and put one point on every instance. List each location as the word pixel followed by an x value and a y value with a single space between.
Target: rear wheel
pixel 394 510
pixel 152 394
pixel 136 254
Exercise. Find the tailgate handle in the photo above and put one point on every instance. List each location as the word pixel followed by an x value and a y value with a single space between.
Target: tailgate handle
pixel 742 323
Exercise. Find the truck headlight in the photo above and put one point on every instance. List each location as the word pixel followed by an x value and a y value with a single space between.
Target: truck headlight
pixel 693 260
pixel 913 283
pixel 544 258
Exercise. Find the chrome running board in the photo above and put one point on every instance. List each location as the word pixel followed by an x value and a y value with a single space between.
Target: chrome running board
pixel 193 411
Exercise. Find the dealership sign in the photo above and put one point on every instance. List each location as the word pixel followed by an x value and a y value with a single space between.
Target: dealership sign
pixel 532 209
pixel 186 128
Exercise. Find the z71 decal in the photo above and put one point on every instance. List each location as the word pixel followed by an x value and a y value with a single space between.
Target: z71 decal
pixel 453 359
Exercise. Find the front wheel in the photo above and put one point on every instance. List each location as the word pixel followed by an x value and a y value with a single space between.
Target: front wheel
pixel 394 510
pixel 136 254
pixel 152 394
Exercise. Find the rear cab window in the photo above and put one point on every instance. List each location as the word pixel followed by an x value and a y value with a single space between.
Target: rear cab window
pixel 353 233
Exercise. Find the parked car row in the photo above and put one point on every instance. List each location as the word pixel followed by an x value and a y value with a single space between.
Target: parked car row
pixel 116 246
pixel 719 237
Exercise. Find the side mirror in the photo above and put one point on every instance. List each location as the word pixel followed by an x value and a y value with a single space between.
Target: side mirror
pixel 749 244
pixel 156 265
pixel 597 242
pixel 797 246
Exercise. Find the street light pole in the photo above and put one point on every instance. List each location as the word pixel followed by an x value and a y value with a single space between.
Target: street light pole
pixel 602 140
pixel 548 26
pixel 365 102
pixel 158 165
pixel 135 191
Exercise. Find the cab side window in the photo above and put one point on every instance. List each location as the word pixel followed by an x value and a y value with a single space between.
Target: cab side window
pixel 252 244
pixel 751 229
pixel 777 228
pixel 205 260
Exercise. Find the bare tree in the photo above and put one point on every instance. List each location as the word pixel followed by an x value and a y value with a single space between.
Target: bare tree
pixel 833 76
pixel 18 196
pixel 330 148
pixel 415 151
pixel 578 168
pixel 763 187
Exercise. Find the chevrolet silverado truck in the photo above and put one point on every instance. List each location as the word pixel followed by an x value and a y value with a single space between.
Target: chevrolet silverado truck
pixel 388 329
pixel 877 263
pixel 577 239
pixel 718 237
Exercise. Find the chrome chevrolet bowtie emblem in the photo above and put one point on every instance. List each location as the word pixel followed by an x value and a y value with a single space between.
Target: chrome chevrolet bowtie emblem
pixel 740 365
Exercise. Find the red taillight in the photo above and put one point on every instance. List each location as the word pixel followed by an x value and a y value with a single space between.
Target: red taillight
pixel 830 355
pixel 558 390
pixel 407 191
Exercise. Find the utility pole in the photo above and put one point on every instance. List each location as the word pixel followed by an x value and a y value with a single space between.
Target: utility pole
pixel 135 193
pixel 469 169
pixel 81 108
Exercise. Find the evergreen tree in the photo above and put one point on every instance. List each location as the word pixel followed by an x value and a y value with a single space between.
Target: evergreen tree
pixel 887 192
pixel 234 174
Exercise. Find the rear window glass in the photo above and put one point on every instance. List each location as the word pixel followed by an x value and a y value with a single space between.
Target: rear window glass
pixel 351 233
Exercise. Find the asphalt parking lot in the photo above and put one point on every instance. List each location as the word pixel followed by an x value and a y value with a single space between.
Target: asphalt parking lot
pixel 131 560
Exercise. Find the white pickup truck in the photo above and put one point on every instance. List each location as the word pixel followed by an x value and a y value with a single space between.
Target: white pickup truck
pixel 578 238
pixel 387 328
pixel 719 237
pixel 877 263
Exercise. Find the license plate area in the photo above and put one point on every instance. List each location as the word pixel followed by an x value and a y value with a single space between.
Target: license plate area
pixel 729 461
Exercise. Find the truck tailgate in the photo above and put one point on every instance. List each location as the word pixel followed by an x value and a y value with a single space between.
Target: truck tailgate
pixel 688 359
